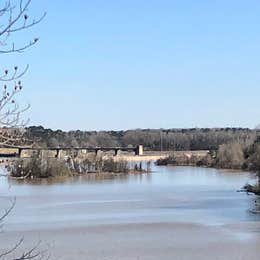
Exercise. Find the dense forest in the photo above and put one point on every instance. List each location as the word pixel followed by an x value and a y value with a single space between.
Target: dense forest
pixel 152 139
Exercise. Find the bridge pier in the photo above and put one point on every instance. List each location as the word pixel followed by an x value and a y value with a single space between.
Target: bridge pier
pixel 58 152
pixel 139 150
pixel 116 152
pixel 19 152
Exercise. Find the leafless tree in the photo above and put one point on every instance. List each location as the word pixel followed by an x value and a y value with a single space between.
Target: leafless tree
pixel 13 252
pixel 14 17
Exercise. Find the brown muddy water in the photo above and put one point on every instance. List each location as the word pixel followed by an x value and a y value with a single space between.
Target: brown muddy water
pixel 172 213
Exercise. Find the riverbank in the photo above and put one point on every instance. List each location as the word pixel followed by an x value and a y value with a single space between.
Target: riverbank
pixel 209 160
pixel 252 189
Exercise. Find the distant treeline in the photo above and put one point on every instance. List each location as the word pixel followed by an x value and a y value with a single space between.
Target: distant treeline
pixel 152 139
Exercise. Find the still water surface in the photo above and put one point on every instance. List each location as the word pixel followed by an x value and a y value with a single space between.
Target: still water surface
pixel 180 212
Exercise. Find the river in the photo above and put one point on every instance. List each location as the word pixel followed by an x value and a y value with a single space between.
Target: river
pixel 171 213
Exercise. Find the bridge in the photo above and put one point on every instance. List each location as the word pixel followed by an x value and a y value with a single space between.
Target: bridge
pixel 17 152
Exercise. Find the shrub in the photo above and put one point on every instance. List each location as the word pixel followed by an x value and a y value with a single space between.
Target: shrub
pixel 52 167
pixel 230 156
pixel 39 168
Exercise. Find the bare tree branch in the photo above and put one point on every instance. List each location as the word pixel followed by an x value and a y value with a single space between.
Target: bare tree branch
pixel 14 76
pixel 8 252
pixel 32 253
pixel 14 18
pixel 16 22
pixel 8 211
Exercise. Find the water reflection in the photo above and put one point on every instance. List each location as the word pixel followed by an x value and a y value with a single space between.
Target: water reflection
pixel 168 194
pixel 88 178
pixel 255 207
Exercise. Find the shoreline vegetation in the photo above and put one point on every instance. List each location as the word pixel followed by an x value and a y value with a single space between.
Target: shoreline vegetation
pixel 252 189
pixel 231 156
pixel 224 148
pixel 42 168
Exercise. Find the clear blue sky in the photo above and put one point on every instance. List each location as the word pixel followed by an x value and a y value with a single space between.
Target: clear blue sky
pixel 143 64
